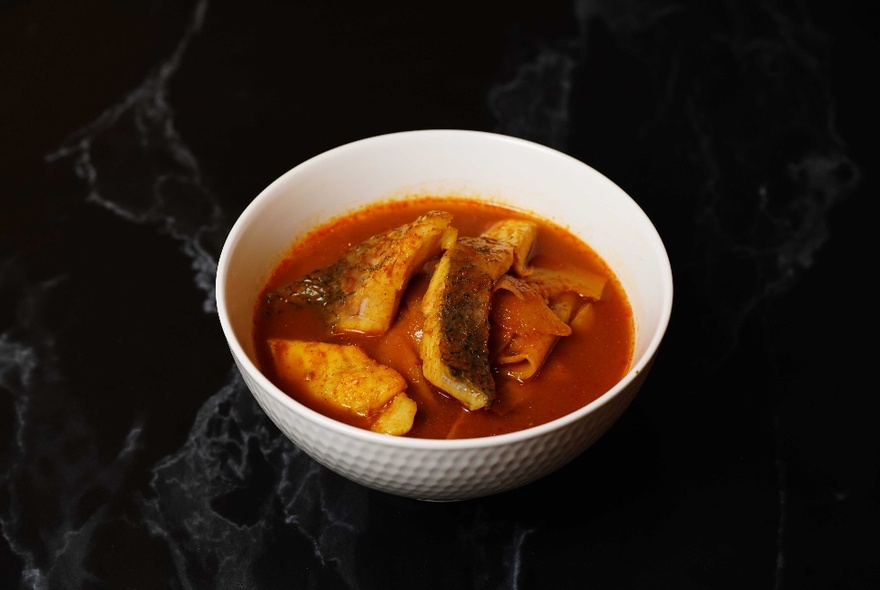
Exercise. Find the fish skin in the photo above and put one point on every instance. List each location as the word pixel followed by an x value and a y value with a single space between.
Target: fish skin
pixel 361 291
pixel 455 335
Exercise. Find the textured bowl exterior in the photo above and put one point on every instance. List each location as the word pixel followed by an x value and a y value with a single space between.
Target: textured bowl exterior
pixel 442 473
pixel 497 168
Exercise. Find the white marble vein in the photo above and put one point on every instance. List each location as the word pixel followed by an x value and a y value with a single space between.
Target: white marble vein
pixel 176 200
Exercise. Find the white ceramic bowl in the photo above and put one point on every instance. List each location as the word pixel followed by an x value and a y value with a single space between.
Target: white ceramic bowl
pixel 476 164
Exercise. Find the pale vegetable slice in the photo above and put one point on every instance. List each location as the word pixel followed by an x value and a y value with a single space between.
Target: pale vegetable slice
pixel 553 282
pixel 525 327
pixel 361 291
pixel 454 346
pixel 531 313
pixel 346 377
pixel 584 319
pixel 519 233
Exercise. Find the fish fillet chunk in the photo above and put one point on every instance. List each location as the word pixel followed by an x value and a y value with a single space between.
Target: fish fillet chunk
pixel 455 334
pixel 346 377
pixel 361 291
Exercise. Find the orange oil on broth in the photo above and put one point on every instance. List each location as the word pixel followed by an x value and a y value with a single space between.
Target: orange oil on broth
pixel 580 368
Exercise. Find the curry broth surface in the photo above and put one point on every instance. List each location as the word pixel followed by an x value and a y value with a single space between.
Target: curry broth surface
pixel 580 368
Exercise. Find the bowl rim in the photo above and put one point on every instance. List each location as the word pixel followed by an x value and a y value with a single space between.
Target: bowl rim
pixel 245 364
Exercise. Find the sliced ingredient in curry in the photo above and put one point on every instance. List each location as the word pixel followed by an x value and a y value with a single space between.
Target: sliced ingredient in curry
pixel 421 315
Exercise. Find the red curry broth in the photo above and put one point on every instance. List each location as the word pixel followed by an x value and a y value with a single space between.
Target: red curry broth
pixel 580 368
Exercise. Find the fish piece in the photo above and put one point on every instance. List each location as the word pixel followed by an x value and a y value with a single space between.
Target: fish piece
pixel 361 291
pixel 521 234
pixel 345 377
pixel 397 417
pixel 454 346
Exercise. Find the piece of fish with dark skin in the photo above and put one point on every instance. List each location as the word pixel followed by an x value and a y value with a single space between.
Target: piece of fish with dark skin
pixel 361 291
pixel 455 335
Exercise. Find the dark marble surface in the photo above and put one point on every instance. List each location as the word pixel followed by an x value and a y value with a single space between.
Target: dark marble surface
pixel 133 134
